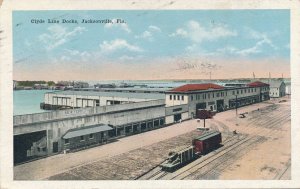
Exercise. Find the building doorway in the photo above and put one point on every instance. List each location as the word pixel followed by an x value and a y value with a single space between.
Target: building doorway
pixel 55 147
pixel 220 105
pixel 177 117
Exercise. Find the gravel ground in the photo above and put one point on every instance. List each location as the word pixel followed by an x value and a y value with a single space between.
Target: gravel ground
pixel 131 156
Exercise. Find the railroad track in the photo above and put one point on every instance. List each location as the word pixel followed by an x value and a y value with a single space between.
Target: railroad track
pixel 280 174
pixel 152 174
pixel 234 148
pixel 222 158
pixel 184 174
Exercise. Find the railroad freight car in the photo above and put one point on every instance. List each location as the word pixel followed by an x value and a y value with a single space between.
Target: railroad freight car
pixel 201 145
pixel 207 142
pixel 178 159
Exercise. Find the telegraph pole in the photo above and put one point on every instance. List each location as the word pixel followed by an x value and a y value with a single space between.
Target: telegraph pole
pixel 236 111
pixel 236 107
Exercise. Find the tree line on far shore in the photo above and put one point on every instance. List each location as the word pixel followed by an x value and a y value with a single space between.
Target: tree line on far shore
pixel 32 83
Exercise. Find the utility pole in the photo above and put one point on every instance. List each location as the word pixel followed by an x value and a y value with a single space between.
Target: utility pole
pixel 236 107
pixel 236 111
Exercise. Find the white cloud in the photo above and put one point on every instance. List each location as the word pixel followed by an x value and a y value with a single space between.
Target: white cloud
pixel 145 35
pixel 117 44
pixel 72 52
pixel 197 33
pixel 75 55
pixel 58 35
pixel 154 28
pixel 262 40
pixel 130 58
pixel 262 37
pixel 148 34
pixel 114 24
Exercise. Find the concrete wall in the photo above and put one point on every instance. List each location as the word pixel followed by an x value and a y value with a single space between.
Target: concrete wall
pixel 169 119
pixel 57 123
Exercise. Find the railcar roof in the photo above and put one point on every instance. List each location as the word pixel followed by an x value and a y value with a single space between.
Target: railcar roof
pixel 207 135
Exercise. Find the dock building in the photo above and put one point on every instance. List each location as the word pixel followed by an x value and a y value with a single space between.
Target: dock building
pixel 182 102
pixel 95 118
pixel 277 89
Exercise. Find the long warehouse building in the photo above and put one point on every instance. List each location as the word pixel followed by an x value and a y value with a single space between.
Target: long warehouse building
pixel 97 117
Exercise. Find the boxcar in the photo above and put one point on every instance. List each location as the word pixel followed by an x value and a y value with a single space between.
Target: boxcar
pixel 207 142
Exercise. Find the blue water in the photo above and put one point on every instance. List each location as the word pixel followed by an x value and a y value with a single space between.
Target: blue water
pixel 28 101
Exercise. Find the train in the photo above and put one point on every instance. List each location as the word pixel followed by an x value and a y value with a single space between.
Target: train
pixel 200 146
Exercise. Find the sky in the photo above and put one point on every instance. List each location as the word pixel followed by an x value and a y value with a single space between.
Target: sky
pixel 151 45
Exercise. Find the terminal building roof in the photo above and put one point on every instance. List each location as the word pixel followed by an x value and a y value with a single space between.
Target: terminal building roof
pixel 275 84
pixel 211 86
pixel 257 84
pixel 113 94
pixel 196 87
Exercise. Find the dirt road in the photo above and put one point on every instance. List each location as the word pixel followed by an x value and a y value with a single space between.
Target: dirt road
pixel 267 160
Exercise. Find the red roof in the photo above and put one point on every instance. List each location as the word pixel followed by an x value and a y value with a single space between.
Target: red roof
pixel 197 87
pixel 257 84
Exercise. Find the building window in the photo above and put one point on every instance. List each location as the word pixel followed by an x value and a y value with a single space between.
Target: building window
pixel 255 90
pixel 67 141
pixel 91 136
pixel 217 94
pixel 248 90
pixel 161 121
pixel 208 96
pixel 174 97
pixel 81 138
pixel 204 96
pixel 233 92
pixel 170 97
pixel 182 97
pixel 226 93
pixel 237 92
pixel 97 103
pixel 178 98
pixel 213 95
pixel 192 97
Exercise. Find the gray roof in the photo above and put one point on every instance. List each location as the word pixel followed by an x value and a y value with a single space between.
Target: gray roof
pixel 86 130
pixel 207 135
pixel 136 89
pixel 113 94
pixel 276 84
